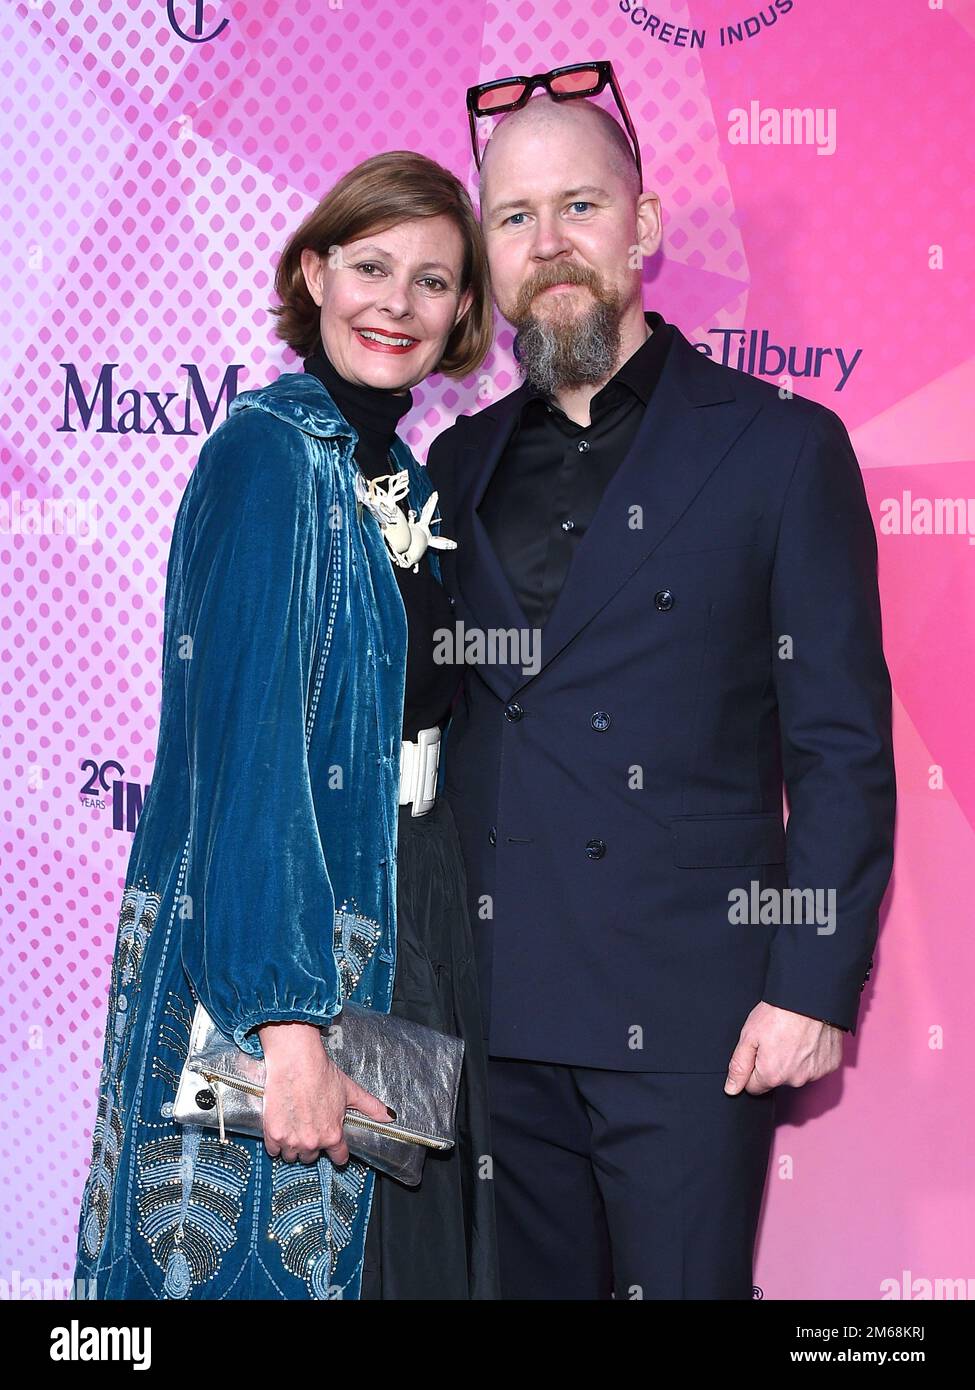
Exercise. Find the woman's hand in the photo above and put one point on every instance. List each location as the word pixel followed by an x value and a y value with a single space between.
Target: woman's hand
pixel 306 1096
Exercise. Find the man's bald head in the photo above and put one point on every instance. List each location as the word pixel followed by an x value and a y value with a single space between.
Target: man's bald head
pixel 563 215
pixel 541 113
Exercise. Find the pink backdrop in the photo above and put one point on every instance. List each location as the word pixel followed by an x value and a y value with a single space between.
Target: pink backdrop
pixel 151 177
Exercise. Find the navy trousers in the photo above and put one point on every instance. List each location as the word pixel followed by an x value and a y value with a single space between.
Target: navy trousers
pixel 625 1184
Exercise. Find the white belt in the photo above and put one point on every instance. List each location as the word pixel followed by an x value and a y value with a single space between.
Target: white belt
pixel 418 770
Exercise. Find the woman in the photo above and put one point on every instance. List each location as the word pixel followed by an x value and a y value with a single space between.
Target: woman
pixel 282 863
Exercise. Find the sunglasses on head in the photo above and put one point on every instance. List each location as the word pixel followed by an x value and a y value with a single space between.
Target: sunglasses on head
pixel 562 84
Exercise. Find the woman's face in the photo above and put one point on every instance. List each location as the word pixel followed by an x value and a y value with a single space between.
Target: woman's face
pixel 389 301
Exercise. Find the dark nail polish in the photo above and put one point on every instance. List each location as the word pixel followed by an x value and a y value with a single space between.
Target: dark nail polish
pixel 390 1112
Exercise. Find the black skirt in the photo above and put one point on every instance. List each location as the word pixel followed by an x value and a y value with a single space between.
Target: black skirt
pixel 438 1240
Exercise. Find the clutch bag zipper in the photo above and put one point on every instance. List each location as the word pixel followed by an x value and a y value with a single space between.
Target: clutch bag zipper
pixel 395 1133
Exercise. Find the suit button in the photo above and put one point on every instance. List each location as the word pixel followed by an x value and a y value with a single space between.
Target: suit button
pixel 595 849
pixel 663 600
pixel 513 711
pixel 451 601
pixel 600 720
pixel 493 835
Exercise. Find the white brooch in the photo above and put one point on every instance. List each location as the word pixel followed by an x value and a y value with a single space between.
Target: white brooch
pixel 406 535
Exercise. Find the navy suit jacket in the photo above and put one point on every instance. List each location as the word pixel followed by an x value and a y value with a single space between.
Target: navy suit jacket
pixel 718 638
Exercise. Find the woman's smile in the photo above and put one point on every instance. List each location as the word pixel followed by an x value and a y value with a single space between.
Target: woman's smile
pixel 381 340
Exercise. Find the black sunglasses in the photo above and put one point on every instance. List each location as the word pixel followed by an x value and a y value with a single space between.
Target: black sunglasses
pixel 562 84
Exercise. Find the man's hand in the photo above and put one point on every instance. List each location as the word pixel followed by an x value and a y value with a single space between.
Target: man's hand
pixel 779 1048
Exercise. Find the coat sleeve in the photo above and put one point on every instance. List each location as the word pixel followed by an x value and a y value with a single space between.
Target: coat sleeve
pixel 834 697
pixel 257 941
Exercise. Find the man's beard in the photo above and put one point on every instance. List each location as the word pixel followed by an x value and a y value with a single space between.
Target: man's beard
pixel 566 350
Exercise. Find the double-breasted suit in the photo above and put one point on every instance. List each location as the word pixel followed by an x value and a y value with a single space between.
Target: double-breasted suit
pixel 718 638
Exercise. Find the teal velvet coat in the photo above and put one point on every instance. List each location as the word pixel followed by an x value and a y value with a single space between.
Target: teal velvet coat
pixel 262 878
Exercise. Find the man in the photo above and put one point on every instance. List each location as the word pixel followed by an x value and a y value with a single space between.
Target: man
pixel 698 557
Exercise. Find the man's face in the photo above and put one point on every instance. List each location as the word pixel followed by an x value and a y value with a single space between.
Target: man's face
pixel 560 227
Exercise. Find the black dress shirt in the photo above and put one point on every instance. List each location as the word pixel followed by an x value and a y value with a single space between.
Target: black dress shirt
pixel 553 472
pixel 374 415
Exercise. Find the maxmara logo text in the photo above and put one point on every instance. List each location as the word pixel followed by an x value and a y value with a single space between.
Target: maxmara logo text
pixel 100 407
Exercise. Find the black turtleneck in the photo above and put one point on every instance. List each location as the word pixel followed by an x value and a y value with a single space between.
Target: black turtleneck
pixel 374 415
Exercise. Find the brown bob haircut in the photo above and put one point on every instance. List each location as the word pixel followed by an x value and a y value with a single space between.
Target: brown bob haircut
pixel 379 193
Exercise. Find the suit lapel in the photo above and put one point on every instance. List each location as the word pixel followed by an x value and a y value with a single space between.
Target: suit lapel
pixel 481 580
pixel 691 422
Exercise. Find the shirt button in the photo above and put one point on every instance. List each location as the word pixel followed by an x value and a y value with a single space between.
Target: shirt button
pixel 568 525
pixel 583 446
pixel 493 835
pixel 595 849
pixel 513 712
pixel 663 600
pixel 600 720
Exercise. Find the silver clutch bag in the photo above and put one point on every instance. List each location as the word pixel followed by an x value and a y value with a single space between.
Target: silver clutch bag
pixel 414 1069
